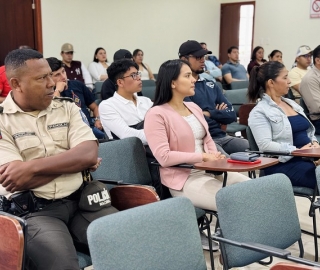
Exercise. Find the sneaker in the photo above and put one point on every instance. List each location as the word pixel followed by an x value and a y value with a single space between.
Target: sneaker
pixel 205 243
pixel 219 266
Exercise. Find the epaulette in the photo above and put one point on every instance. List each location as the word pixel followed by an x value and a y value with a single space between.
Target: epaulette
pixel 1 109
pixel 63 98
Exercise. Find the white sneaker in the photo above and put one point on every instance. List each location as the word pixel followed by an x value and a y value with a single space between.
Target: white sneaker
pixel 219 266
pixel 205 243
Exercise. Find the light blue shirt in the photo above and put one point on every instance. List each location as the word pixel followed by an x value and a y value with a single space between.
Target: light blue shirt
pixel 214 71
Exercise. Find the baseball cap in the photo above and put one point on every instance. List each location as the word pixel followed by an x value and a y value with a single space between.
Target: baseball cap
pixel 122 53
pixel 95 201
pixel 303 50
pixel 192 47
pixel 67 47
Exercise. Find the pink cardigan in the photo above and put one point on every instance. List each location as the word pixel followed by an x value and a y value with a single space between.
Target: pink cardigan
pixel 172 142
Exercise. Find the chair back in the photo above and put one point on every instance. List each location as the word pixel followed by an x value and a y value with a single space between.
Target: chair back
pixel 237 98
pixel 258 211
pixel 161 235
pixel 124 160
pixel 252 142
pixel 239 85
pixel 149 89
pixel 12 241
pixel 304 106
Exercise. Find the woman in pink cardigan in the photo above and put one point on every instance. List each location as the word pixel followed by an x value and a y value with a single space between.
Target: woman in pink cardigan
pixel 177 132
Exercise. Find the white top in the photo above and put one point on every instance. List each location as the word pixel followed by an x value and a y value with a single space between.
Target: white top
pixel 96 70
pixel 144 74
pixel 118 113
pixel 198 131
pixel 86 76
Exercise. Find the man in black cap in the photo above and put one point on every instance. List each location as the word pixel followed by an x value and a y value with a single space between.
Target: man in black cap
pixel 208 96
pixel 108 88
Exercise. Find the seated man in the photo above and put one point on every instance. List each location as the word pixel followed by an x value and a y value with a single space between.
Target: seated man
pixel 208 96
pixel 123 113
pixel 211 58
pixel 302 61
pixel 310 90
pixel 4 85
pixel 211 72
pixel 75 69
pixel 232 70
pixel 80 94
pixel 45 145
pixel 108 88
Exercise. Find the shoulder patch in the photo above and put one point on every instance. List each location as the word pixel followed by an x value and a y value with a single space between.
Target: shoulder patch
pixel 63 98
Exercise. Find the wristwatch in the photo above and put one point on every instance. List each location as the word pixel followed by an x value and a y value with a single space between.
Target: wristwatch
pixel 97 118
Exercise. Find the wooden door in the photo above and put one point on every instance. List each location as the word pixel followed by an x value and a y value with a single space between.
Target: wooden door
pixel 20 25
pixel 229 27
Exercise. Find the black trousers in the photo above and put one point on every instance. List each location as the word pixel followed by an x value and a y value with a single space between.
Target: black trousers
pixel 51 235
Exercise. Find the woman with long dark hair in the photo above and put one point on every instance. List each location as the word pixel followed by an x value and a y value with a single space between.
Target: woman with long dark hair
pixel 177 132
pixel 279 124
pixel 256 58
pixel 146 73
pixel 98 68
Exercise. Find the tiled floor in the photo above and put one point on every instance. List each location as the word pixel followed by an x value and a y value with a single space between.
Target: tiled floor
pixel 305 223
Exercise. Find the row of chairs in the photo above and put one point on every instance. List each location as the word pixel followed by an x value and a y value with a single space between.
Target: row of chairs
pixel 125 160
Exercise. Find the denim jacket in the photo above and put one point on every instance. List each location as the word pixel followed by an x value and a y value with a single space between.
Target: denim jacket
pixel 271 127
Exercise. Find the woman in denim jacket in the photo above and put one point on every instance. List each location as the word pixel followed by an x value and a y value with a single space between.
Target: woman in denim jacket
pixel 279 124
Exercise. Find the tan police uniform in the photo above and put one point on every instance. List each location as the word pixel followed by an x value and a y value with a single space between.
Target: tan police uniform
pixel 31 135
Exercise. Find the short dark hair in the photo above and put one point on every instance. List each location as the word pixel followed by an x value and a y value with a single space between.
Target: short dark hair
pixel 253 54
pixel 231 48
pixel 203 43
pixel 168 72
pixel 316 54
pixel 16 59
pixel 95 53
pixel 259 76
pixel 118 68
pixel 54 63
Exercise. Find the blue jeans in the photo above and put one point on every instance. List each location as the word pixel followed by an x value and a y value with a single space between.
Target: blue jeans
pixel 228 145
pixel 98 133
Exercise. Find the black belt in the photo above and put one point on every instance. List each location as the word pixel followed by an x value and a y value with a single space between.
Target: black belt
pixel 75 196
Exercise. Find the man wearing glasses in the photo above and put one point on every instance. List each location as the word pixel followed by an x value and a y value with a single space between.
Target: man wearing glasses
pixel 123 114
pixel 303 61
pixel 75 69
pixel 208 96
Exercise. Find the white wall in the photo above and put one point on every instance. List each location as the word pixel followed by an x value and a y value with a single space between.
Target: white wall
pixel 284 25
pixel 159 27
pixel 156 27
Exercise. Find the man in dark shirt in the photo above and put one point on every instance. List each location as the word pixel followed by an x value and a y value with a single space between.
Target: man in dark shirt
pixel 208 96
pixel 108 88
pixel 75 69
pixel 80 94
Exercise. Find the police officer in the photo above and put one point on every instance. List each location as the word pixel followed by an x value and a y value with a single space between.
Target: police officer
pixel 45 144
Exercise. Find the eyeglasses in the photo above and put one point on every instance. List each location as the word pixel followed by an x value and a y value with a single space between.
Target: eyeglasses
pixel 69 53
pixel 133 75
pixel 306 55
pixel 198 58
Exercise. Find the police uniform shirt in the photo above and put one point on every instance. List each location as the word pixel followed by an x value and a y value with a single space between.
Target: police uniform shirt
pixel 26 136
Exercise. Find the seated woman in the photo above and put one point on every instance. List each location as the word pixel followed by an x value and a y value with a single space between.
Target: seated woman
pixel 279 124
pixel 123 114
pixel 98 68
pixel 177 133
pixel 146 73
pixel 275 55
pixel 256 58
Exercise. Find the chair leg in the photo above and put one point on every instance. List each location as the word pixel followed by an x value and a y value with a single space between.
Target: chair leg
pixel 315 237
